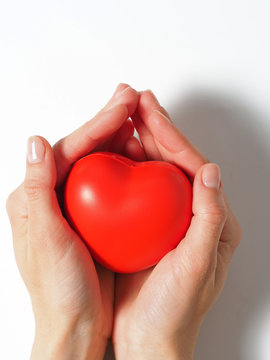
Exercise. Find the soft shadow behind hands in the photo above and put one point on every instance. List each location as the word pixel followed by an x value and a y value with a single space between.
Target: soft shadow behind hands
pixel 231 130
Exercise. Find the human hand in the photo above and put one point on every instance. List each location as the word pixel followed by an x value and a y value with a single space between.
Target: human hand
pixel 72 297
pixel 159 311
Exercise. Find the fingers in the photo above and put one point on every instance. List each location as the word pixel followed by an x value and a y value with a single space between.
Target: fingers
pixel 99 129
pixel 125 94
pixel 121 136
pixel 176 148
pixel 43 210
pixel 133 149
pixel 231 235
pixel 173 146
pixel 116 141
pixel 120 88
pixel 147 139
pixel 210 214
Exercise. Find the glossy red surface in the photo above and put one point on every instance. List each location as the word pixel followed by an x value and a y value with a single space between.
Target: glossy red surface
pixel 130 214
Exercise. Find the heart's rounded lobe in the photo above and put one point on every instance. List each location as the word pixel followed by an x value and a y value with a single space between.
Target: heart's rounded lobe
pixel 129 214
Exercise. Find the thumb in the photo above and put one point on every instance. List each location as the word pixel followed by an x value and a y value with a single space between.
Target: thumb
pixel 43 209
pixel 210 215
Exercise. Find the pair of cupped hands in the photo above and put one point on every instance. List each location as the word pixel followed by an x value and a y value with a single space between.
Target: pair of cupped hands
pixel 78 305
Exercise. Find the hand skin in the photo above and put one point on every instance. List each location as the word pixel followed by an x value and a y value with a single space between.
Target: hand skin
pixel 72 296
pixel 159 311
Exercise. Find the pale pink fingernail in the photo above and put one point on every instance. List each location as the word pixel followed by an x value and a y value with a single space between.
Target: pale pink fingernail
pixel 211 176
pixel 154 96
pixel 117 100
pixel 35 149
pixel 163 116
pixel 123 91
pixel 112 107
pixel 117 88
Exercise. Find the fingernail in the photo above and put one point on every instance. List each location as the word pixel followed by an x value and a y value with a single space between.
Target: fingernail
pixel 35 150
pixel 154 96
pixel 118 86
pixel 163 116
pixel 122 92
pixel 112 107
pixel 117 101
pixel 211 176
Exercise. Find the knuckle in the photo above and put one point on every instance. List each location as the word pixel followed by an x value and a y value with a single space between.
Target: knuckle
pixel 10 201
pixel 58 143
pixel 236 230
pixel 33 188
pixel 239 231
pixel 58 147
pixel 215 213
pixel 203 266
pixel 238 234
pixel 198 266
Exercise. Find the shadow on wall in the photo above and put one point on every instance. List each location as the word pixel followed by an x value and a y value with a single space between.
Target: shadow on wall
pixel 231 134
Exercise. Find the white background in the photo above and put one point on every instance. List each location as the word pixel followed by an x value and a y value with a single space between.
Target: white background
pixel 208 63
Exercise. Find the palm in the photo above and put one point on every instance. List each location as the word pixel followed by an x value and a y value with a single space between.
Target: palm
pixel 85 276
pixel 84 287
pixel 139 298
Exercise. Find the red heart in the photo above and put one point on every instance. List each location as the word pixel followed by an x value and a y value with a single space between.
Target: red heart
pixel 130 214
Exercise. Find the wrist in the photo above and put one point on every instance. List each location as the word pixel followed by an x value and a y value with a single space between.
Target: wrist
pixel 79 342
pixel 177 346
pixel 154 351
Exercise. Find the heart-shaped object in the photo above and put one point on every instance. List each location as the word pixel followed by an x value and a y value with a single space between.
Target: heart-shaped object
pixel 130 214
